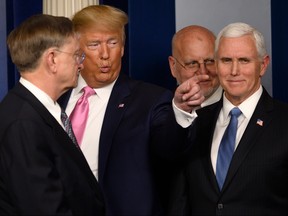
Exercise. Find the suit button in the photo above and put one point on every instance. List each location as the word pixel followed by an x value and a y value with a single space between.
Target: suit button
pixel 220 206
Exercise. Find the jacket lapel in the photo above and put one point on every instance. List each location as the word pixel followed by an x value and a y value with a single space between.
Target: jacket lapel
pixel 255 128
pixel 60 135
pixel 117 105
pixel 208 117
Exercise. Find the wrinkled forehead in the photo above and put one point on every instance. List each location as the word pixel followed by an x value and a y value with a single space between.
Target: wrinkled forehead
pixel 101 34
pixel 237 46
pixel 100 27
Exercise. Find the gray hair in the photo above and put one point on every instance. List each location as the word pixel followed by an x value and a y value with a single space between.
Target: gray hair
pixel 239 29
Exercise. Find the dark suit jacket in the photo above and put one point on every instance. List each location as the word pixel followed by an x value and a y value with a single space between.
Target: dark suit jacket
pixel 256 183
pixel 42 171
pixel 139 129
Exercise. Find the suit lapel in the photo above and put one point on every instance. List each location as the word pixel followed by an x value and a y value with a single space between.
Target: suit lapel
pixel 253 131
pixel 77 155
pixel 208 122
pixel 117 104
pixel 60 135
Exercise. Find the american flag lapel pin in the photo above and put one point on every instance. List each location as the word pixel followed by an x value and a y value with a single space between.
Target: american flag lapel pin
pixel 121 105
pixel 259 122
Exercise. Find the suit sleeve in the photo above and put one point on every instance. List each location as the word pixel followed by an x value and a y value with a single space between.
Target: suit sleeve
pixel 178 201
pixel 28 169
pixel 169 139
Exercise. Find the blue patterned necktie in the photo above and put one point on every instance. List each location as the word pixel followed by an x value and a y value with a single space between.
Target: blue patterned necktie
pixel 227 146
pixel 68 127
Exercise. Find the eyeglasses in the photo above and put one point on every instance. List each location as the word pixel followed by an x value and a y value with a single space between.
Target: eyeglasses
pixel 79 58
pixel 194 66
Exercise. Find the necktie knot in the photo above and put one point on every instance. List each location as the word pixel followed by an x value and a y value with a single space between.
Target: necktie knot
pixel 88 91
pixel 235 112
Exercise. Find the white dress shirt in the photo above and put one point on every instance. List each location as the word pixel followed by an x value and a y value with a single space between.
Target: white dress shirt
pixel 52 106
pixel 247 108
pixel 97 108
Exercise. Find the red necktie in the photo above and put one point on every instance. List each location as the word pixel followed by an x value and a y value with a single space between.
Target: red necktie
pixel 79 115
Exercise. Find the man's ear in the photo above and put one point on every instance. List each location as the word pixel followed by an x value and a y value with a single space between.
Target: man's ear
pixel 172 65
pixel 51 59
pixel 264 65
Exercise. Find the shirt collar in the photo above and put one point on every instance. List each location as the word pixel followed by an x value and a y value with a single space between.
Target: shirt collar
pixel 247 107
pixel 101 92
pixel 52 106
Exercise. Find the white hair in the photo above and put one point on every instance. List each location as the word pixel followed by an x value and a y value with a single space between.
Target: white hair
pixel 239 29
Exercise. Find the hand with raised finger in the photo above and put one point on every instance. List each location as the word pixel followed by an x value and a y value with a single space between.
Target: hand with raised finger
pixel 188 95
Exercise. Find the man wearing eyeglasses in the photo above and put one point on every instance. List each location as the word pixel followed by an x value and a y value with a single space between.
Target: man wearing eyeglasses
pixel 193 54
pixel 238 164
pixel 43 171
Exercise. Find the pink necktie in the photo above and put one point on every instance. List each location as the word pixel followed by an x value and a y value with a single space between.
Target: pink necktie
pixel 79 115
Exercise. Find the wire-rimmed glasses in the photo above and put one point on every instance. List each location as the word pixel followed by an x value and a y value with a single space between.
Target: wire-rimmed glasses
pixel 79 57
pixel 194 66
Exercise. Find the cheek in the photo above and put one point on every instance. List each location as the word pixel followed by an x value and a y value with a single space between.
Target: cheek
pixel 90 62
pixel 251 73
pixel 91 57
pixel 212 74
pixel 215 81
pixel 185 75
pixel 72 71
pixel 222 71
pixel 116 53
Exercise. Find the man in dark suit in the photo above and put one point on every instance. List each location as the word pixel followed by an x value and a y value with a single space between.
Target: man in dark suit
pixel 42 171
pixel 130 123
pixel 256 179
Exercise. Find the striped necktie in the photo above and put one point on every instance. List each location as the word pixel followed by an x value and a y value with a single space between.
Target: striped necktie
pixel 227 146
pixel 68 127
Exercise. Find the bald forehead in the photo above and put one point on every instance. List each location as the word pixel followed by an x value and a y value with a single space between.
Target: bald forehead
pixel 191 37
pixel 194 32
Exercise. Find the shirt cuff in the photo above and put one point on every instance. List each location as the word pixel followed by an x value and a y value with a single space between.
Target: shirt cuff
pixel 184 119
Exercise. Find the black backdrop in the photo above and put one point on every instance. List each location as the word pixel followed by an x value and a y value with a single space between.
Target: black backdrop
pixel 149 33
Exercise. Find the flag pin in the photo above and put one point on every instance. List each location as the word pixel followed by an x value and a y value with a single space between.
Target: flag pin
pixel 259 122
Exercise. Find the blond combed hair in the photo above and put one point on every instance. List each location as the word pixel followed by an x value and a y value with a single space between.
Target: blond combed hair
pixel 101 17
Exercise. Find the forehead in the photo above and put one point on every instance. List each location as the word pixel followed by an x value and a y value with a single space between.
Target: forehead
pixel 102 32
pixel 237 47
pixel 195 45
